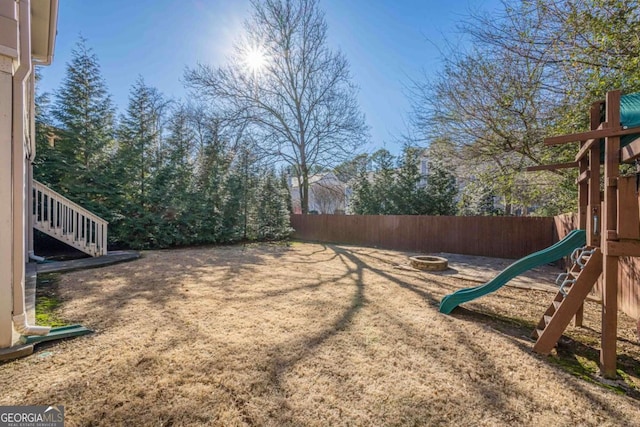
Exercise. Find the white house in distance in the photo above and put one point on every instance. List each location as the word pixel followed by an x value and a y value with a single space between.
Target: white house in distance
pixel 27 36
pixel 327 194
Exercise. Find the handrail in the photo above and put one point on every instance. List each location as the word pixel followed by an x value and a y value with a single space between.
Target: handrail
pixel 65 220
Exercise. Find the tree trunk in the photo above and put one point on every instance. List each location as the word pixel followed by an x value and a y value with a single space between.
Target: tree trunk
pixel 304 191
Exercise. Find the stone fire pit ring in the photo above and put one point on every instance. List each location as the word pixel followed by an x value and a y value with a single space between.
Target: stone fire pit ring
pixel 429 263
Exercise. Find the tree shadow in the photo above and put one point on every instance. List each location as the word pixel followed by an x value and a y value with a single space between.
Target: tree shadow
pixel 576 358
pixel 219 368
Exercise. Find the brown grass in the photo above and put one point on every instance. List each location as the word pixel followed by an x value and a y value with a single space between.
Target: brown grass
pixel 308 335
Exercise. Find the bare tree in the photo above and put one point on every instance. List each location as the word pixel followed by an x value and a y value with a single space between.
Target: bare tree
pixel 328 197
pixel 285 86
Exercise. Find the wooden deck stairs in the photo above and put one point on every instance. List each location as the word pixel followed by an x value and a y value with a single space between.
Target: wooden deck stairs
pixel 576 285
pixel 64 220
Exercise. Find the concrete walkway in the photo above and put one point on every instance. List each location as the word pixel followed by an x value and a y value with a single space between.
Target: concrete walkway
pixel 113 257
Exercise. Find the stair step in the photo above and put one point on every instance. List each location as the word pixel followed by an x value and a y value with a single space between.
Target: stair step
pixel 557 304
pixel 539 332
pixel 547 319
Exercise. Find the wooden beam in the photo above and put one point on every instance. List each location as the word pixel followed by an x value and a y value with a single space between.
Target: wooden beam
pixel 552 167
pixel 572 137
pixel 601 132
pixel 631 151
pixel 584 176
pixel 585 149
pixel 623 248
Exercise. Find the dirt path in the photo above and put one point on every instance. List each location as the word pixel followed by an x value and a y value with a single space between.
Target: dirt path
pixel 307 335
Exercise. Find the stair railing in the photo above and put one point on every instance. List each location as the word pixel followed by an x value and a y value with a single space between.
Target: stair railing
pixel 62 219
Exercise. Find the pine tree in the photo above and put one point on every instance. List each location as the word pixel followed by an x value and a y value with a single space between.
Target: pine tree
pixel 363 201
pixel 211 171
pixel 272 214
pixel 284 186
pixel 441 190
pixel 138 160
pixel 382 202
pixel 180 218
pixel 476 199
pixel 238 210
pixel 48 163
pixel 84 117
pixel 409 197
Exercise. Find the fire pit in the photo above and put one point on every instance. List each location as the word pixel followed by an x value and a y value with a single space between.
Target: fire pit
pixel 429 263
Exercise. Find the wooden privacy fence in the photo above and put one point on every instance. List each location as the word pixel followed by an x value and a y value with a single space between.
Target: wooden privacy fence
pixel 502 237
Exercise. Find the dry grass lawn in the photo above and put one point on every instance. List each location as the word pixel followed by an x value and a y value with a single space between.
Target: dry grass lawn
pixel 318 335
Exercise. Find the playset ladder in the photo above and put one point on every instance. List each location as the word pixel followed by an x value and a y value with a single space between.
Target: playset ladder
pixel 581 278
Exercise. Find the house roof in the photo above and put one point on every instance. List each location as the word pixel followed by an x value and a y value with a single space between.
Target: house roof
pixel 44 26
pixel 329 177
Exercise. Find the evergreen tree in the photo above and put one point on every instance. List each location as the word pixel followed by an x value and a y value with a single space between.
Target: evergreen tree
pixel 382 202
pixel 409 197
pixel 239 201
pixel 284 186
pixel 84 117
pixel 477 200
pixel 138 160
pixel 441 190
pixel 272 216
pixel 363 201
pixel 179 214
pixel 211 177
pixel 48 163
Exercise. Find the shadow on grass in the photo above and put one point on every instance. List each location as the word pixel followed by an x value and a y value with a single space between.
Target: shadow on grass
pixel 215 368
pixel 577 358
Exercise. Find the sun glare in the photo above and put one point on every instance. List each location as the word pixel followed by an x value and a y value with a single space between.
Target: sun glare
pixel 255 60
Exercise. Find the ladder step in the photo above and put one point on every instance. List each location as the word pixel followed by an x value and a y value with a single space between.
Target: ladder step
pixel 567 288
pixel 567 303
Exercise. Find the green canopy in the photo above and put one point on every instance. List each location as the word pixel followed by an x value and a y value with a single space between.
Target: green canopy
pixel 630 110
pixel 629 118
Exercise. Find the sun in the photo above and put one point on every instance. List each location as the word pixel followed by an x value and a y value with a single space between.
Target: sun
pixel 255 60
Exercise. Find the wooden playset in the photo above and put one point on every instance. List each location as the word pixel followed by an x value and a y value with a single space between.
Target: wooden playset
pixel 608 210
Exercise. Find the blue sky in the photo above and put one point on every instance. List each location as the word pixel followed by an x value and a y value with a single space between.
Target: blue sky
pixel 387 43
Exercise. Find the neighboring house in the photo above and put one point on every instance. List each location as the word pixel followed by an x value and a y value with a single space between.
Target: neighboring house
pixel 424 168
pixel 327 194
pixel 27 38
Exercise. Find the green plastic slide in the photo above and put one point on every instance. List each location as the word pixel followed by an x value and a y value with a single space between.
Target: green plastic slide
pixel 573 240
